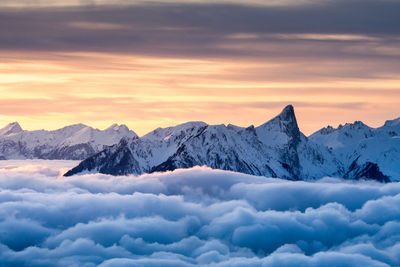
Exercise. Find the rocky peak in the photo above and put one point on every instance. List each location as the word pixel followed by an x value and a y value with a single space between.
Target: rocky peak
pixel 118 128
pixel 287 114
pixel 391 123
pixel 11 128
pixel 327 130
pixel 357 125
pixel 285 123
pixel 121 130
pixel 113 127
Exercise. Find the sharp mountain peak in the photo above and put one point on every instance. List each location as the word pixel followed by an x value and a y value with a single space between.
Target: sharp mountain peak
pixel 11 128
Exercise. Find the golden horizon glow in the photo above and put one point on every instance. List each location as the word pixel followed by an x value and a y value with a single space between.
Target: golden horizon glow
pixel 52 90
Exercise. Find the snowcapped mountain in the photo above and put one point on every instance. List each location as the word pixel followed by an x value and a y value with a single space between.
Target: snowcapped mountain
pixel 372 153
pixel 274 149
pixel 10 129
pixel 75 142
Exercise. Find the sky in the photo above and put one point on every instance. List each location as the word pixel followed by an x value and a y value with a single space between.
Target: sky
pixel 150 64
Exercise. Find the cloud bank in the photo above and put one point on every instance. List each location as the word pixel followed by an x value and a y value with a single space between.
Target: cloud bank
pixel 193 217
pixel 355 29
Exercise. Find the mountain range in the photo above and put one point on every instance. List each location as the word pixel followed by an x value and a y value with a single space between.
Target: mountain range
pixel 276 148
pixel 75 142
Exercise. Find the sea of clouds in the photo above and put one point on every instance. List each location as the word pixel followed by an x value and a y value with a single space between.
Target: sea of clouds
pixel 192 217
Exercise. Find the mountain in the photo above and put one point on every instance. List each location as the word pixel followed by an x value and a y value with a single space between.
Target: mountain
pixel 75 142
pixel 10 129
pixel 372 153
pixel 274 149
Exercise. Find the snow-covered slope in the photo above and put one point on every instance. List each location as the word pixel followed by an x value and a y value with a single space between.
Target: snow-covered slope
pixel 364 151
pixel 11 129
pixel 274 149
pixel 75 142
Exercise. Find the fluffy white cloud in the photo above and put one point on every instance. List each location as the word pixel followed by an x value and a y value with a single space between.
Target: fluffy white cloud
pixel 193 217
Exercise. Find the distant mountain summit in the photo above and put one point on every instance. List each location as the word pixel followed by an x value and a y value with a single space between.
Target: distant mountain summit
pixel 372 153
pixel 11 128
pixel 74 142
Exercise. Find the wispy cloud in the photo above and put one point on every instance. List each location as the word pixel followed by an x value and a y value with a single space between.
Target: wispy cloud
pixel 79 3
pixel 226 53
pixel 96 25
pixel 329 37
pixel 51 90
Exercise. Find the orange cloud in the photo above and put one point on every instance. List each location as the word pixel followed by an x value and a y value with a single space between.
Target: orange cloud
pixel 51 90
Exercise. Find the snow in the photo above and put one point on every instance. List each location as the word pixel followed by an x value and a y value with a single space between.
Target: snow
pixel 276 148
pixel 16 143
pixel 260 150
pixel 357 141
pixel 98 138
pixel 158 145
pixel 390 123
pixel 276 130
pixel 10 129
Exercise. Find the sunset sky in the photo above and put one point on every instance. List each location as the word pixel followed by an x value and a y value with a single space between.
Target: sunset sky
pixel 151 64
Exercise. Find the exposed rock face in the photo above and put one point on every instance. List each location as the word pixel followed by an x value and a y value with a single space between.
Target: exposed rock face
pixel 368 171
